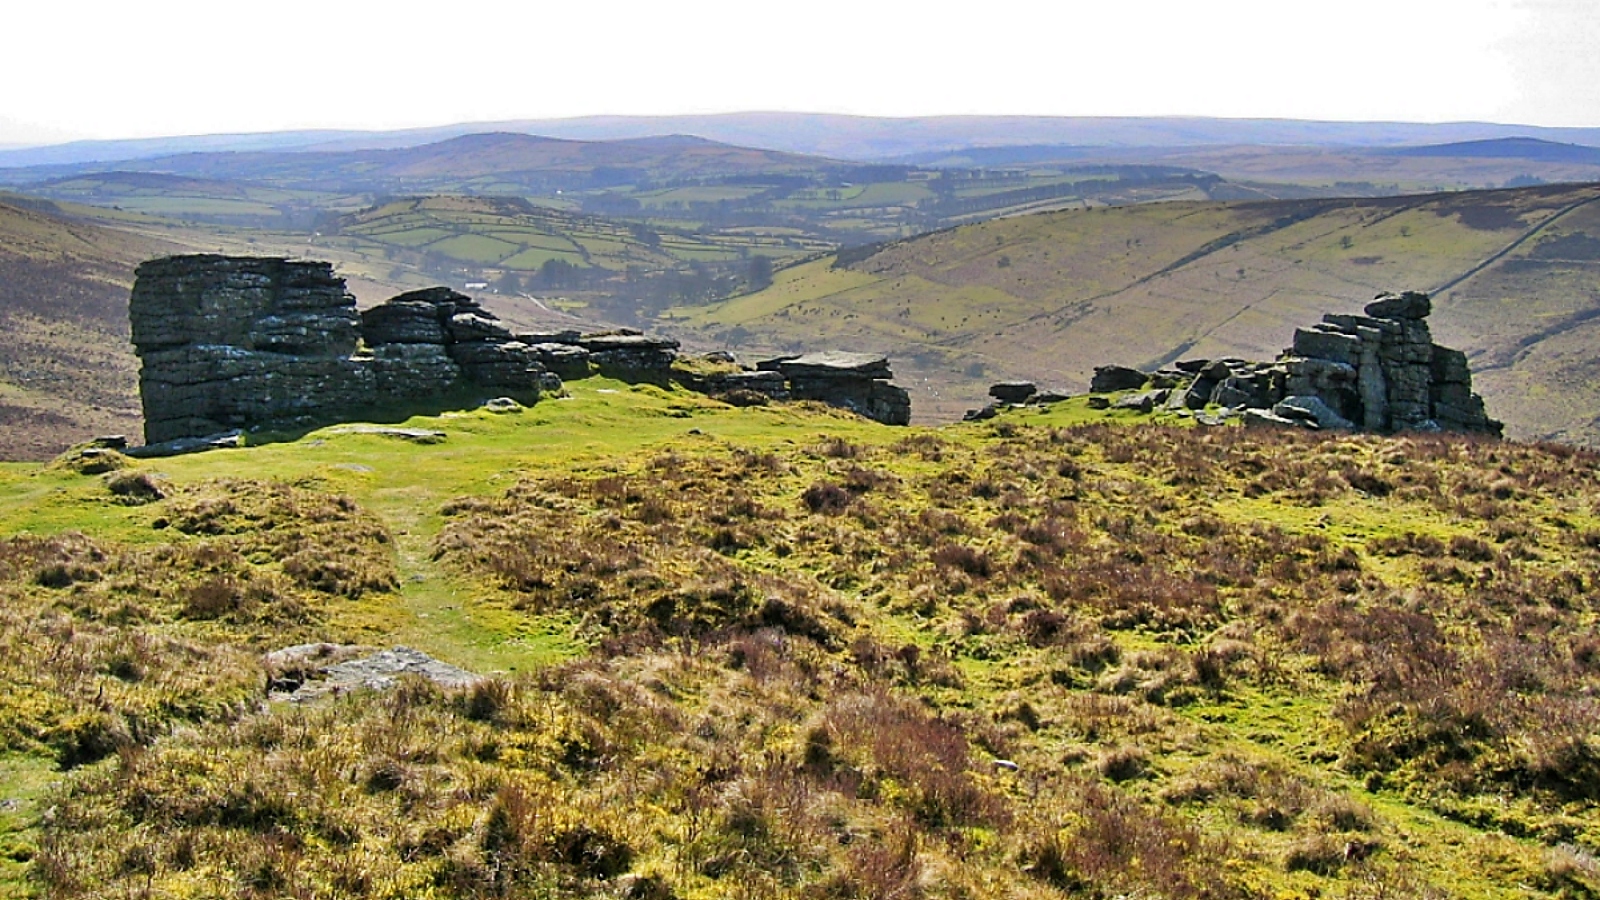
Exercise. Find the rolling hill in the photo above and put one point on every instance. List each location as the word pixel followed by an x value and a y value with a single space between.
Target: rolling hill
pixel 860 138
pixel 1051 296
pixel 66 368
pixel 512 161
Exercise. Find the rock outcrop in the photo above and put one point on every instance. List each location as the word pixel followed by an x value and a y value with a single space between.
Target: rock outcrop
pixel 1377 372
pixel 855 381
pixel 245 342
pixel 240 343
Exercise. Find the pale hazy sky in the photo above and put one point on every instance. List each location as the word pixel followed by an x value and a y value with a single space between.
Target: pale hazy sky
pixel 131 68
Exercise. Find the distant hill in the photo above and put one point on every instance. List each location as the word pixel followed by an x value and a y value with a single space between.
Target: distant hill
pixel 840 136
pixel 1507 148
pixel 1051 296
pixel 517 162
pixel 66 369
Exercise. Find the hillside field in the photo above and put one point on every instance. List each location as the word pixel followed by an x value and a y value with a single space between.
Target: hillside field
pixel 1048 297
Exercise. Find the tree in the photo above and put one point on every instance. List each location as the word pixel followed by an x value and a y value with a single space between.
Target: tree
pixel 760 276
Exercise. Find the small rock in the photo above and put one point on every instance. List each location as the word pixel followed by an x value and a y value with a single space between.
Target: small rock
pixel 1013 391
pixel 979 415
pixel 1312 408
pixel 1408 305
pixel 414 435
pixel 503 405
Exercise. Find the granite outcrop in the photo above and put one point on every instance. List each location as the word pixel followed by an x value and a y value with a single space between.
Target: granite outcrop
pixel 231 343
pixel 1379 372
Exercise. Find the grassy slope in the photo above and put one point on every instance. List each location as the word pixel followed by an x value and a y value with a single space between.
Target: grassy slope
pixel 1226 656
pixel 65 367
pixel 1049 297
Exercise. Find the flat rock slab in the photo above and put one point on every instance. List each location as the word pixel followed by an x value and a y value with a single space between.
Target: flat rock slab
pixel 831 363
pixel 414 435
pixel 184 446
pixel 379 671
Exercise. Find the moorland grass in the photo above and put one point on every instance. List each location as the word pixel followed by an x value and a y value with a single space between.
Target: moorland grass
pixel 783 651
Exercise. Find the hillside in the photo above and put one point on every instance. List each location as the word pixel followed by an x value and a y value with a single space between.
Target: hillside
pixel 1050 296
pixel 522 161
pixel 785 652
pixel 66 369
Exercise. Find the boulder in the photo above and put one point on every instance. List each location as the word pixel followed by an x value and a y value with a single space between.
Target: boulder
pixel 402 322
pixel 1109 379
pixel 1411 305
pixel 1013 391
pixel 1312 409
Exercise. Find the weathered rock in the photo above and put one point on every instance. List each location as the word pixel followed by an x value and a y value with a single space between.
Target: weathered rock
pixel 1407 305
pixel 1380 371
pixel 322 670
pixel 567 360
pixel 247 342
pixel 854 381
pixel 988 411
pixel 183 446
pixel 410 435
pixel 630 354
pixel 772 385
pixel 1260 418
pixel 1312 409
pixel 503 405
pixel 1144 402
pixel 1013 391
pixel 1109 379
pixel 402 322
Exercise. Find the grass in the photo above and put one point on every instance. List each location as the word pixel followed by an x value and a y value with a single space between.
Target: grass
pixel 783 649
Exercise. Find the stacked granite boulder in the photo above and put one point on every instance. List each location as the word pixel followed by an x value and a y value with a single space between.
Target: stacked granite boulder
pixel 435 341
pixel 228 342
pixel 855 381
pixel 1377 372
pixel 236 343
pixel 231 343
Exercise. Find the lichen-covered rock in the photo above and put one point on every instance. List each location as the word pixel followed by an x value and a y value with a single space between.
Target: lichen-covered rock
pixel 248 342
pixel 1013 391
pixel 629 353
pixel 1108 379
pixel 1379 372
pixel 855 381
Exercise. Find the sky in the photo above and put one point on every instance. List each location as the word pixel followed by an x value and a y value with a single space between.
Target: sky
pixel 145 68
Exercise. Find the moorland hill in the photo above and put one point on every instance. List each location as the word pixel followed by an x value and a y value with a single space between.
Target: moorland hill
pixel 1049 297
pixel 65 367
pixel 711 651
